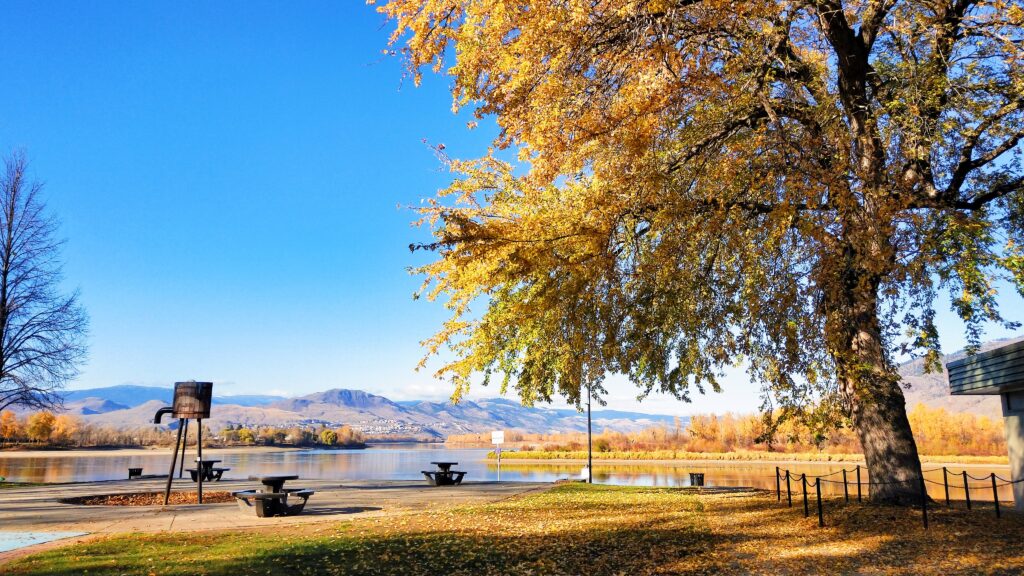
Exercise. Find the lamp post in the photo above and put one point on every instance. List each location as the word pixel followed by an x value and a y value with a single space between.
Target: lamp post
pixel 590 442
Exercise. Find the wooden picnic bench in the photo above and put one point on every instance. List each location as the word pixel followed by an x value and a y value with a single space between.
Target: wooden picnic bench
pixel 273 499
pixel 444 475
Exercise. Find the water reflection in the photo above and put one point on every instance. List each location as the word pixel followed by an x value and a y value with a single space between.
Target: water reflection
pixel 404 462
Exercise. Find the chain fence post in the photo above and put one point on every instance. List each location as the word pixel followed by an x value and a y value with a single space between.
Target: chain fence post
pixel 858 483
pixel 789 492
pixel 778 486
pixel 945 484
pixel 803 481
pixel 821 516
pixel 924 502
pixel 846 488
pixel 995 495
pixel 967 491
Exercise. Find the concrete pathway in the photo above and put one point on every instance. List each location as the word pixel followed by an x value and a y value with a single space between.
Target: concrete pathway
pixel 39 508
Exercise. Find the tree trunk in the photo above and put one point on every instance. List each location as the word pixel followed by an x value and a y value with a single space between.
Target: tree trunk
pixel 871 386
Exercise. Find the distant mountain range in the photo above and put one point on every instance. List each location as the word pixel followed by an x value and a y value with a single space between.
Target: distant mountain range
pixel 132 406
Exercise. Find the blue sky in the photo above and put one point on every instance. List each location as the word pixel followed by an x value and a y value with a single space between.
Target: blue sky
pixel 229 176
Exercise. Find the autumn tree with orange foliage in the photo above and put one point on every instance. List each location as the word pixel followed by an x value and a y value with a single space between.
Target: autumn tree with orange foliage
pixel 936 431
pixel 702 182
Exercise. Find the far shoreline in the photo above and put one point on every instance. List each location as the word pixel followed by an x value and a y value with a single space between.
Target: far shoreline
pixel 147 451
pixel 925 462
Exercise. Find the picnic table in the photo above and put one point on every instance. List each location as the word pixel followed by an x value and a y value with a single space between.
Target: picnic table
pixel 444 475
pixel 274 483
pixel 272 499
pixel 208 470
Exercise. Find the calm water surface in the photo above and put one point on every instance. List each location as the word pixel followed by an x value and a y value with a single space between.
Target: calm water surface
pixel 404 462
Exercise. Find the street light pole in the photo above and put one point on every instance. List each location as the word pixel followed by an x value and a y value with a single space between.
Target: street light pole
pixel 590 442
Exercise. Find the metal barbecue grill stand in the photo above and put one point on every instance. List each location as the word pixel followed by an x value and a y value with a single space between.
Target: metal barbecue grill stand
pixel 191 400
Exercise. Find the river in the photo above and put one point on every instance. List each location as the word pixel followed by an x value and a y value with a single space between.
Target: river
pixel 405 461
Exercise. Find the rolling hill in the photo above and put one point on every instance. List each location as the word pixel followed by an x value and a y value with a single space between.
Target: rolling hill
pixel 933 389
pixel 132 406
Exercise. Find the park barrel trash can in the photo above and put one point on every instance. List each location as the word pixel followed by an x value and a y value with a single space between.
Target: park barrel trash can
pixel 696 478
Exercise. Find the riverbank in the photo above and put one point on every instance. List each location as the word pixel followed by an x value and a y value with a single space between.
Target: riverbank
pixel 672 457
pixel 576 529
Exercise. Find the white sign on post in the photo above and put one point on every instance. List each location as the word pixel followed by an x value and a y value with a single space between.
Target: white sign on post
pixel 498 438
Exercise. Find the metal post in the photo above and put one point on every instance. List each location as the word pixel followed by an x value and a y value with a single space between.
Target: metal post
pixel 858 484
pixel 846 487
pixel 817 488
pixel 174 460
pixel 184 445
pixel 924 502
pixel 995 495
pixel 199 457
pixel 590 442
pixel 945 485
pixel 499 462
pixel 967 491
pixel 789 492
pixel 803 481
pixel 778 486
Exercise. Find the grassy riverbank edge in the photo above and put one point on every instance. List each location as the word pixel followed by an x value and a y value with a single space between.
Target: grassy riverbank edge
pixel 671 456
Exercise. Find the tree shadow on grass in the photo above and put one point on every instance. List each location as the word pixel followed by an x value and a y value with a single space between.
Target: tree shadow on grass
pixel 765 536
pixel 329 511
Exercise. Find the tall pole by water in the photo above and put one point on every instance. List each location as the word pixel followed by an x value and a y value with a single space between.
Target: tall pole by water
pixel 590 442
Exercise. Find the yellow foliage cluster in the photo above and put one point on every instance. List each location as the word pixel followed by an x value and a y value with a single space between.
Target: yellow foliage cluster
pixel 702 184
pixel 295 435
pixel 43 427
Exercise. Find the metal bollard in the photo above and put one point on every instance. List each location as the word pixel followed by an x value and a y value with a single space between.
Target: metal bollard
pixel 846 488
pixel 789 493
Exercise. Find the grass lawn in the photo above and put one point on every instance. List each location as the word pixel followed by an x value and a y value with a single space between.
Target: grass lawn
pixel 8 485
pixel 578 529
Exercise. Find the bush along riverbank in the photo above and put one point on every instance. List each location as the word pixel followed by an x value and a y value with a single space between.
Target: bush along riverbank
pixel 741 456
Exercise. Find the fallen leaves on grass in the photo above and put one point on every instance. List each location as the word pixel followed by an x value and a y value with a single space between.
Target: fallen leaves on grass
pixel 579 529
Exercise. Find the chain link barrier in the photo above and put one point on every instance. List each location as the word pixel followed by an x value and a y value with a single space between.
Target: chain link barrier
pixel 992 481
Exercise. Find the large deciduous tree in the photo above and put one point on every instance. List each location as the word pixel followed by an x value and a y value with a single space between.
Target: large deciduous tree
pixel 789 184
pixel 42 330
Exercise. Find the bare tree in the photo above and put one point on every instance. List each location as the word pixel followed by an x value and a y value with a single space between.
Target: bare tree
pixel 42 331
